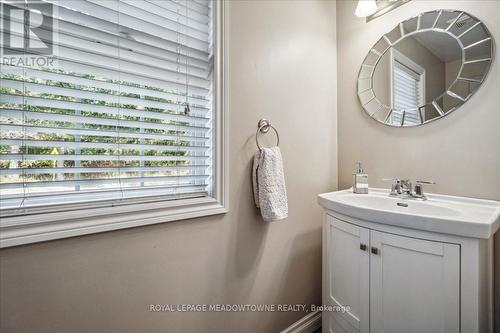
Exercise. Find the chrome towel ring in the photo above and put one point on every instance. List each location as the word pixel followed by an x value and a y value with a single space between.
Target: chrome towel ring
pixel 263 126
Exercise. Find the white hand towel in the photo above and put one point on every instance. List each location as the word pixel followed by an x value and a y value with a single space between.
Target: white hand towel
pixel 269 184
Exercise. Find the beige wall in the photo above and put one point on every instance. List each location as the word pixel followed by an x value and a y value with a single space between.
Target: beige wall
pixel 460 151
pixel 282 67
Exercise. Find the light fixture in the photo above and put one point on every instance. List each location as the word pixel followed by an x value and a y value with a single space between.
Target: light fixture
pixel 365 8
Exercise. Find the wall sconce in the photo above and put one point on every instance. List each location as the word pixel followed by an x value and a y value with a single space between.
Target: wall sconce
pixel 374 8
pixel 365 8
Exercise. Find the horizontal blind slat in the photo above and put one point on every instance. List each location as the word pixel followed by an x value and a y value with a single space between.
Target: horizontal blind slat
pixel 70 170
pixel 28 129
pixel 176 180
pixel 101 194
pixel 48 157
pixel 84 144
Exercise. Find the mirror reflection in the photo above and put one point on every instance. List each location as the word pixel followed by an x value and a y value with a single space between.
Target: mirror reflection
pixel 424 68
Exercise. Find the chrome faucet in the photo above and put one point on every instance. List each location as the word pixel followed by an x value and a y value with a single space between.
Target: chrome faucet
pixel 403 188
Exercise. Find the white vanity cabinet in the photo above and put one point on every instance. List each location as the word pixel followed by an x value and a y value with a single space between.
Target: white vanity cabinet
pixel 395 279
pixel 377 273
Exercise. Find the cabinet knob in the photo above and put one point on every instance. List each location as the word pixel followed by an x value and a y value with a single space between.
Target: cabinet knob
pixel 362 247
pixel 375 250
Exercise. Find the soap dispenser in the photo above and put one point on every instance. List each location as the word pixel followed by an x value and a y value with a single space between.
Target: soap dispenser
pixel 360 185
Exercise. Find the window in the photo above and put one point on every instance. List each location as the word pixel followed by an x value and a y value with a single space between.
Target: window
pixel 408 90
pixel 123 116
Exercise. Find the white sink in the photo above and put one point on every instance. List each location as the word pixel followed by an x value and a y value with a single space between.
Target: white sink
pixel 440 213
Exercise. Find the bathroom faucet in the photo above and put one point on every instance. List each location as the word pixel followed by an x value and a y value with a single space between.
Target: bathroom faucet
pixel 399 186
pixel 403 188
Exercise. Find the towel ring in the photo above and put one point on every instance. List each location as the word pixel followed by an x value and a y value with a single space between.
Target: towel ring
pixel 263 126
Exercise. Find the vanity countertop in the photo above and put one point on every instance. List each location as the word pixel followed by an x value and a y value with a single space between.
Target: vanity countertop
pixel 446 214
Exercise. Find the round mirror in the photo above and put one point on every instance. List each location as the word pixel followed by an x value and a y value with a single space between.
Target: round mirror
pixel 425 68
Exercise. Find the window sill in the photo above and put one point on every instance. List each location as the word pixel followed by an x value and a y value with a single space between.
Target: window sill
pixel 37 228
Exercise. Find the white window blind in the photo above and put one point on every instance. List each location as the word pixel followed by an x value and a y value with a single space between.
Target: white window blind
pixel 406 95
pixel 125 114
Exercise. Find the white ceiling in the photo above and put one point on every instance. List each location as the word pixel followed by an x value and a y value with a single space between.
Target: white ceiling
pixel 440 44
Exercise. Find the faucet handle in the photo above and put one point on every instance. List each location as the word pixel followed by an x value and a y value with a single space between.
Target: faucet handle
pixel 419 188
pixel 429 182
pixel 391 180
pixel 396 185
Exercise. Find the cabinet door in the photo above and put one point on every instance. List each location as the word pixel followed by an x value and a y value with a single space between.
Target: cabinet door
pixel 414 285
pixel 347 276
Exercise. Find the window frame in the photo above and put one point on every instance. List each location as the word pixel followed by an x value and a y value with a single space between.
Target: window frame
pixel 397 56
pixel 94 218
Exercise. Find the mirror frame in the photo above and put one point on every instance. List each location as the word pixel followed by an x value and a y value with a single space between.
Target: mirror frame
pixel 367 69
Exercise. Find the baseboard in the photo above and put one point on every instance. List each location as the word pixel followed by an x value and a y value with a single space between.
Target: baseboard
pixel 307 324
